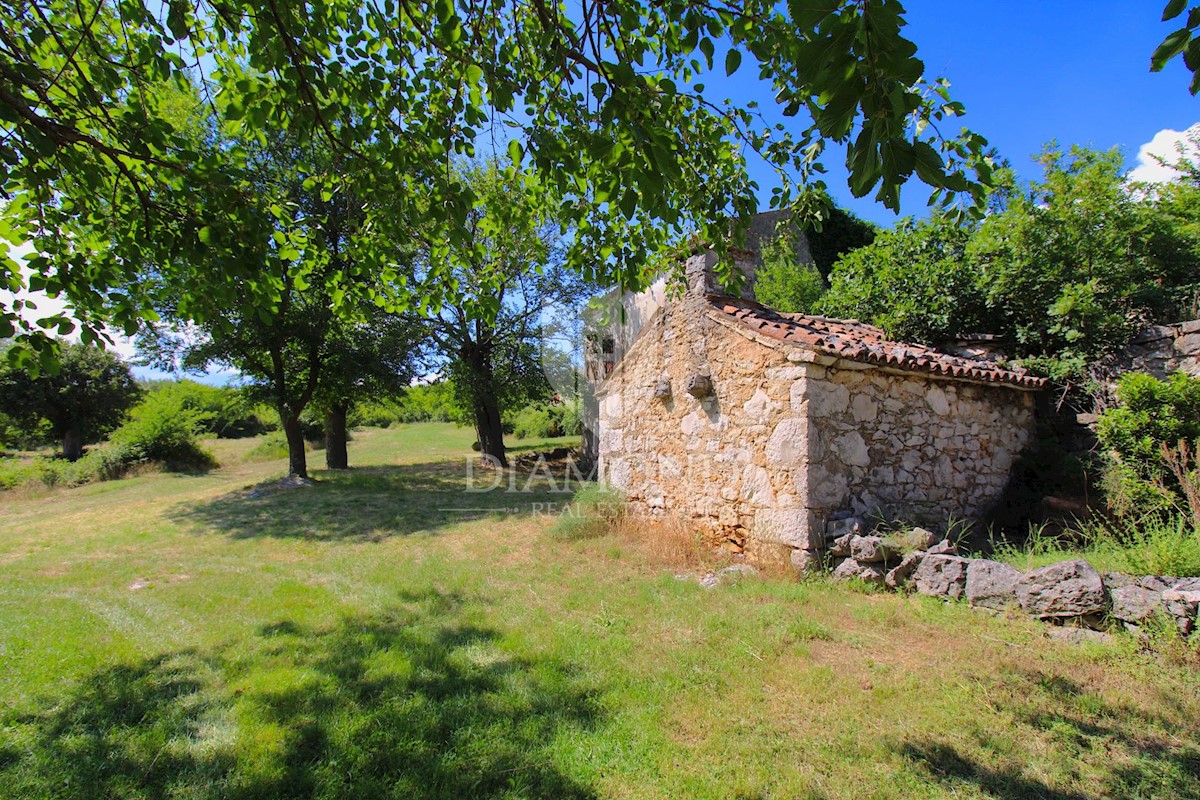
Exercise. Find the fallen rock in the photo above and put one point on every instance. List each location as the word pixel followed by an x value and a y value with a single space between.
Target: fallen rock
pixel 1073 635
pixel 1063 590
pixel 869 550
pixel 1182 607
pixel 941 576
pixel 991 584
pixel 1136 604
pixel 868 573
pixel 1184 584
pixel 841 546
pixel 898 576
pixel 735 572
pixel 943 548
pixel 924 539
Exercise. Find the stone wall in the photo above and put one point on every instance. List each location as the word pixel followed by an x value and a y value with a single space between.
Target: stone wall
pixel 910 446
pixel 1164 349
pixel 704 459
pixel 790 438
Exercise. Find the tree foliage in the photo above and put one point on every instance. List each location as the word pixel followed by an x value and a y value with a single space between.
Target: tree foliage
pixel 1181 41
pixel 501 286
pixel 86 398
pixel 783 282
pixel 603 101
pixel 1066 268
pixel 913 281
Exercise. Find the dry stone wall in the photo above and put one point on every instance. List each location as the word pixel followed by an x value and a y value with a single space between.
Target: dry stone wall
pixel 1164 349
pixel 912 447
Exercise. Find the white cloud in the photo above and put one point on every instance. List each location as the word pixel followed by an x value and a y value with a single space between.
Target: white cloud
pixel 1165 145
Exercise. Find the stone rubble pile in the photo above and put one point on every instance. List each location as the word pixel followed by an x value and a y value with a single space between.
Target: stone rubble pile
pixel 1067 592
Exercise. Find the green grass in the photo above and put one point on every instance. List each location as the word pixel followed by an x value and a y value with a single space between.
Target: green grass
pixel 1154 545
pixel 385 634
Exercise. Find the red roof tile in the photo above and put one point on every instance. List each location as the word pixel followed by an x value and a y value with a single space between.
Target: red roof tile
pixel 857 341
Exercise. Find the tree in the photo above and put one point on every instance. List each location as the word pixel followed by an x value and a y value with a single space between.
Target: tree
pixel 913 281
pixel 295 297
pixel 604 101
pixel 1077 262
pixel 1066 268
pixel 1180 42
pixel 84 400
pixel 784 282
pixel 375 359
pixel 498 285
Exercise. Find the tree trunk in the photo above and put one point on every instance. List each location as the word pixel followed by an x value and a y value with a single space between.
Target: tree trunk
pixel 488 426
pixel 335 438
pixel 485 405
pixel 72 445
pixel 297 462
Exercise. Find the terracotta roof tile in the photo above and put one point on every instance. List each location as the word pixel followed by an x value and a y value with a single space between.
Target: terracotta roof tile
pixel 857 341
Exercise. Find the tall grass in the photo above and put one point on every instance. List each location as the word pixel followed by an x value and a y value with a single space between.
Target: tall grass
pixel 1155 544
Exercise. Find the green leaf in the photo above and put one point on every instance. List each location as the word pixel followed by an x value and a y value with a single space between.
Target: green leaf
pixel 733 60
pixel 204 235
pixel 515 151
pixel 1174 9
pixel 1171 46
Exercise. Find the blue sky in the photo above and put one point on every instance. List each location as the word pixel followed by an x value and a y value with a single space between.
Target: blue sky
pixel 1029 72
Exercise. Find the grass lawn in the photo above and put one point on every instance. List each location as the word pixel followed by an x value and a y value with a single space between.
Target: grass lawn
pixel 386 634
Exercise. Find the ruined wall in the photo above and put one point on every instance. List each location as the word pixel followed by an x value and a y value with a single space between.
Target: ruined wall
pixel 1164 349
pixel 909 446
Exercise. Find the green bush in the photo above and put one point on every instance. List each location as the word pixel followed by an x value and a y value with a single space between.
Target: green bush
pixel 227 412
pixel 1151 413
pixel 535 422
pixel 164 430
pixel 783 283
pixel 541 421
pixel 273 446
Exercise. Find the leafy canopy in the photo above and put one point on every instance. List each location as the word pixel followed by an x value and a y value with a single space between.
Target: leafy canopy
pixel 604 101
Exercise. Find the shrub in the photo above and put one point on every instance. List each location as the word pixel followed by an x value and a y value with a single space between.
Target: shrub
pixel 227 412
pixel 782 282
pixel 163 430
pixel 535 422
pixel 1151 414
pixel 273 446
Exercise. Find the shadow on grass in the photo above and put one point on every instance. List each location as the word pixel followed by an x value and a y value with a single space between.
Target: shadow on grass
pixel 1132 752
pixel 374 503
pixel 415 702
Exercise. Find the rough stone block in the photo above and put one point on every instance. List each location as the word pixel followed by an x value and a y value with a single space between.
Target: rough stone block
pixel 1182 607
pixel 1135 604
pixel 869 573
pixel 790 526
pixel 991 584
pixel 1066 589
pixel 898 576
pixel 941 576
pixel 869 549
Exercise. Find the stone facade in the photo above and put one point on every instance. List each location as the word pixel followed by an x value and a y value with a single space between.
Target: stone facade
pixel 762 441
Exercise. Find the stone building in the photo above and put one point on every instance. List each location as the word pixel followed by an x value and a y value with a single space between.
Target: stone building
pixel 767 429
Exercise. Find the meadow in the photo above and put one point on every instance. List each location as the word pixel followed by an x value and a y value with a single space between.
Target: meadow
pixel 386 633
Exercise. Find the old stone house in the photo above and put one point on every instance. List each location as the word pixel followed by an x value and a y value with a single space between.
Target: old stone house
pixel 766 428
